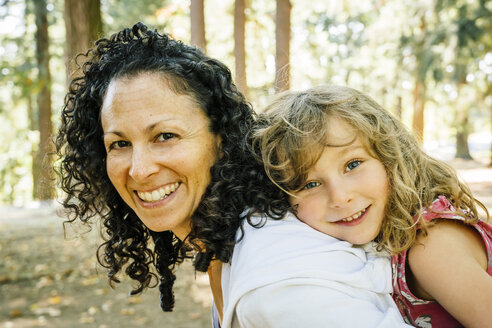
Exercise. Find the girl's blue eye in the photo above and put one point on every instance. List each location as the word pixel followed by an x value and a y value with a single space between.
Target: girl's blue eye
pixel 352 165
pixel 311 185
pixel 165 136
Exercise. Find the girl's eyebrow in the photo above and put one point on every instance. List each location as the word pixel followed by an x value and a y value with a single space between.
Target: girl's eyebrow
pixel 353 146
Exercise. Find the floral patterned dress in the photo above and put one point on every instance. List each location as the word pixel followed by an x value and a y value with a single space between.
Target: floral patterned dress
pixel 422 313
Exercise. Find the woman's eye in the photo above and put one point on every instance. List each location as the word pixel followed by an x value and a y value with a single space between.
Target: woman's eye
pixel 310 185
pixel 118 144
pixel 352 165
pixel 165 136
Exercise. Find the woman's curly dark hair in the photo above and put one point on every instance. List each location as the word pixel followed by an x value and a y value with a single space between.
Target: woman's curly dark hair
pixel 238 182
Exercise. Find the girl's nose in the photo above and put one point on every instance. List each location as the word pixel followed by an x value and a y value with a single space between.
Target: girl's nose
pixel 143 164
pixel 340 193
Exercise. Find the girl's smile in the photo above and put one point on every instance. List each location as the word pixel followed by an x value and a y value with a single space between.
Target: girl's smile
pixel 355 219
pixel 346 190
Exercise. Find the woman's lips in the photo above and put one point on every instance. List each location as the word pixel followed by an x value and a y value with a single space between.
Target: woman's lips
pixel 157 195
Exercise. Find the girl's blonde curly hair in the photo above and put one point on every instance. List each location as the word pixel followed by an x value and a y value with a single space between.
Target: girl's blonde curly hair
pixel 291 134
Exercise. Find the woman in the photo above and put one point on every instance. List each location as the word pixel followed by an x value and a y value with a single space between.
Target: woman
pixel 153 141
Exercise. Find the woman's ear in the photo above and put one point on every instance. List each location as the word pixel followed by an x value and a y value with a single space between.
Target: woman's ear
pixel 218 145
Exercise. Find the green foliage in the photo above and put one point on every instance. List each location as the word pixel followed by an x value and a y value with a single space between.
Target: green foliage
pixel 381 47
pixel 118 14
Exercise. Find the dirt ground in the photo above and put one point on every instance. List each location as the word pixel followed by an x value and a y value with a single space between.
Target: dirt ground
pixel 49 281
pixel 46 281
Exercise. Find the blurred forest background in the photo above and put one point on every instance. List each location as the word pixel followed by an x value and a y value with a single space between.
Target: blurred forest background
pixel 427 61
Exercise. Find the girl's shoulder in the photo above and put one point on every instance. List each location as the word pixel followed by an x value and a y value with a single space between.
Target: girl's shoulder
pixel 449 227
pixel 449 243
pixel 441 208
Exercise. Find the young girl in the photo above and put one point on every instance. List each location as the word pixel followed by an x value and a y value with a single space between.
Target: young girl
pixel 354 172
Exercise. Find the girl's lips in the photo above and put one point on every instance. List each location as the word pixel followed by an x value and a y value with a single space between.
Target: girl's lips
pixel 355 221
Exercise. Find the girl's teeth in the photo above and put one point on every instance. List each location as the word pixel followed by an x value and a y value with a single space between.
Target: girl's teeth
pixel 354 217
pixel 158 194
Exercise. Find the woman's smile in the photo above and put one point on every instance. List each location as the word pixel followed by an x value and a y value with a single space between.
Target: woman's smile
pixel 159 150
pixel 157 194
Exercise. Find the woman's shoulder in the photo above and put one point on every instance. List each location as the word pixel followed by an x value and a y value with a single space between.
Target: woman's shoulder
pixel 291 248
pixel 287 252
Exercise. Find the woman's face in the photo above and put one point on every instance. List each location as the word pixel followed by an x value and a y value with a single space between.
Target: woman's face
pixel 159 150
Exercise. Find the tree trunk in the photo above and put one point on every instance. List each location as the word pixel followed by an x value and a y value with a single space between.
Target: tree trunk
pixel 31 111
pixel 197 16
pixel 282 54
pixel 490 111
pixel 45 189
pixel 462 126
pixel 95 20
pixel 462 150
pixel 418 110
pixel 239 48
pixel 36 172
pixel 83 26
pixel 399 107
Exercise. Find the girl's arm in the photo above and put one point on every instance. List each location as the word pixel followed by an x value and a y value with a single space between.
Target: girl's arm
pixel 449 265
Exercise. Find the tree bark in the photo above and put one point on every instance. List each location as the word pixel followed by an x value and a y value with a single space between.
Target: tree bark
pixel 399 107
pixel 95 20
pixel 462 126
pixel 83 26
pixel 239 46
pixel 197 17
pixel 36 172
pixel 418 110
pixel 282 48
pixel 462 150
pixel 45 186
pixel 490 111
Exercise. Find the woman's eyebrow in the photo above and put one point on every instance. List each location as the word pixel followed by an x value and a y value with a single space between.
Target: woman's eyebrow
pixel 119 134
pixel 151 127
pixel 148 129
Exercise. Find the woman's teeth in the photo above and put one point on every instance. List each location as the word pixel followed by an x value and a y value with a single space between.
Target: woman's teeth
pixel 355 216
pixel 157 194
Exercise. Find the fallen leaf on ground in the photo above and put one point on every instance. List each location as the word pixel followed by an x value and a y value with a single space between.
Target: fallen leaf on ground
pixel 54 300
pixel 15 313
pixel 127 311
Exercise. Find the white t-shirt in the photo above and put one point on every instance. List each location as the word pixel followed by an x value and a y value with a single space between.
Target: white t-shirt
pixel 286 274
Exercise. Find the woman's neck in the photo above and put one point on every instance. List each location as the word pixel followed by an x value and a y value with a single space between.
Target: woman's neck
pixel 214 275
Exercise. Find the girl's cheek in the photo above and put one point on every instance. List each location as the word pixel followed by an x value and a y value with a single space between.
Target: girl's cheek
pixel 303 211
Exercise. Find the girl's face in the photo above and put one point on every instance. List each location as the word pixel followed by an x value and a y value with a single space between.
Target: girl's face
pixel 347 189
pixel 159 150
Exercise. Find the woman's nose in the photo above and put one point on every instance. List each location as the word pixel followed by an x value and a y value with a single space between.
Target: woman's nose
pixel 143 165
